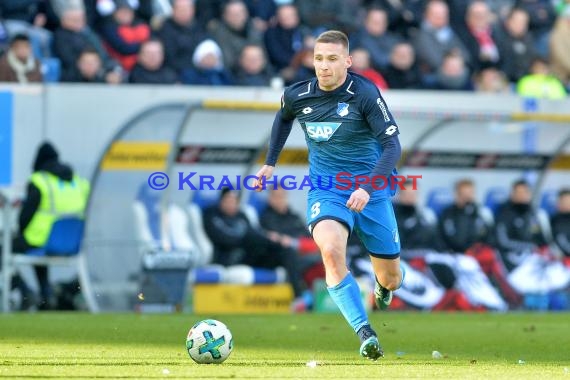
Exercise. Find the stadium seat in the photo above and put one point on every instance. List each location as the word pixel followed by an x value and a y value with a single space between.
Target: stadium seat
pixel 158 232
pixel 548 201
pixel 494 197
pixel 439 198
pixel 63 248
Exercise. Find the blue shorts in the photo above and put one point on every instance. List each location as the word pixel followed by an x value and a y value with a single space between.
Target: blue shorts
pixel 375 226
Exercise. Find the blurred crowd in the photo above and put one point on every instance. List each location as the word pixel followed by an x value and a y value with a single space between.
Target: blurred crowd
pixel 495 46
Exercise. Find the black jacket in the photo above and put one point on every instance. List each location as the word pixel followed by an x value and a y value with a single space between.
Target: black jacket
pixel 517 230
pixel 416 232
pixel 179 43
pixel 164 75
pixel 460 228
pixel 232 236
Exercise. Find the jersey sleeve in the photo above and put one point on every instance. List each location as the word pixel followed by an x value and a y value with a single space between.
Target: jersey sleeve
pixel 377 114
pixel 287 113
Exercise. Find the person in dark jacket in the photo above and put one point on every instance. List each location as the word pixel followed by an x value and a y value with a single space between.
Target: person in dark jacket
pixel 460 224
pixel 181 34
pixel 517 228
pixel 252 68
pixel 149 68
pixel 237 242
pixel 284 39
pixel 72 38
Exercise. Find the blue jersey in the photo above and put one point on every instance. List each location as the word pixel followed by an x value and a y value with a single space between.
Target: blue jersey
pixel 342 128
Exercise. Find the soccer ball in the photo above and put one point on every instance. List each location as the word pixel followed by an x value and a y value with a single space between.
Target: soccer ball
pixel 209 341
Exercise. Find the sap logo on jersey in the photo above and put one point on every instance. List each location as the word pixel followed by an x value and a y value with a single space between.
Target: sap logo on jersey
pixel 321 131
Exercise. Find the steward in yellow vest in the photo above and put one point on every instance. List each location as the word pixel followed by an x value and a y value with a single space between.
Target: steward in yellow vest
pixel 53 192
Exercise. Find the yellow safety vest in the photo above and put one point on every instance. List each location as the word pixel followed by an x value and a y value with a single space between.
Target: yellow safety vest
pixel 59 198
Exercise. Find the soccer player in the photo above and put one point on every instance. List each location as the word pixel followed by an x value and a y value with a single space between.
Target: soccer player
pixel 349 132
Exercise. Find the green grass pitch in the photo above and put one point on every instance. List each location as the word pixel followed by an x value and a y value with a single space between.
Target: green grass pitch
pixel 131 346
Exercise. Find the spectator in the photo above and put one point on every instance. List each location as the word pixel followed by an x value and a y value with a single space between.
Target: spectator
pixel 517 228
pixel 361 65
pixel 460 224
pixel 402 71
pixel 284 39
pixel 515 44
pixel 491 80
pixel 478 35
pixel 453 74
pixel 123 34
pixel 53 191
pixel 150 68
pixel 180 35
pixel 234 31
pixel 89 69
pixel 237 242
pixel 560 223
pixel 19 64
pixel 436 39
pixel 28 17
pixel 539 83
pixel 252 69
pixel 375 38
pixel 208 67
pixel 560 47
pixel 72 38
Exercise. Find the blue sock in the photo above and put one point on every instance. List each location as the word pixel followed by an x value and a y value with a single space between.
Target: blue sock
pixel 346 295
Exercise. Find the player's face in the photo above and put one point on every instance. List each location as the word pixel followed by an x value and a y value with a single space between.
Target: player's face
pixel 331 64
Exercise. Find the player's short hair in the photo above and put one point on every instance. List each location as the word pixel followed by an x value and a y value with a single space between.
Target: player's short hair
pixel 463 182
pixel 520 182
pixel 564 192
pixel 333 37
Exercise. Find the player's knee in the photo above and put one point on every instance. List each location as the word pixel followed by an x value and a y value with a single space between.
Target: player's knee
pixel 332 254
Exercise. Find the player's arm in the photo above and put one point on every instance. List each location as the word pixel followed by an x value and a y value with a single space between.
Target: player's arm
pixel 280 131
pixel 386 130
pixel 279 135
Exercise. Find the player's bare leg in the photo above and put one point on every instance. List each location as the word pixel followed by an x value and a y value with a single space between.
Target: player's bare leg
pixel 331 237
pixel 389 277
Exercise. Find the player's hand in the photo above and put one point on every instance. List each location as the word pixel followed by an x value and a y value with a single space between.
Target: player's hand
pixel 266 172
pixel 358 200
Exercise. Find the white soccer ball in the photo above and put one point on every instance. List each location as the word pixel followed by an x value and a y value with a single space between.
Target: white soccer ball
pixel 209 341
